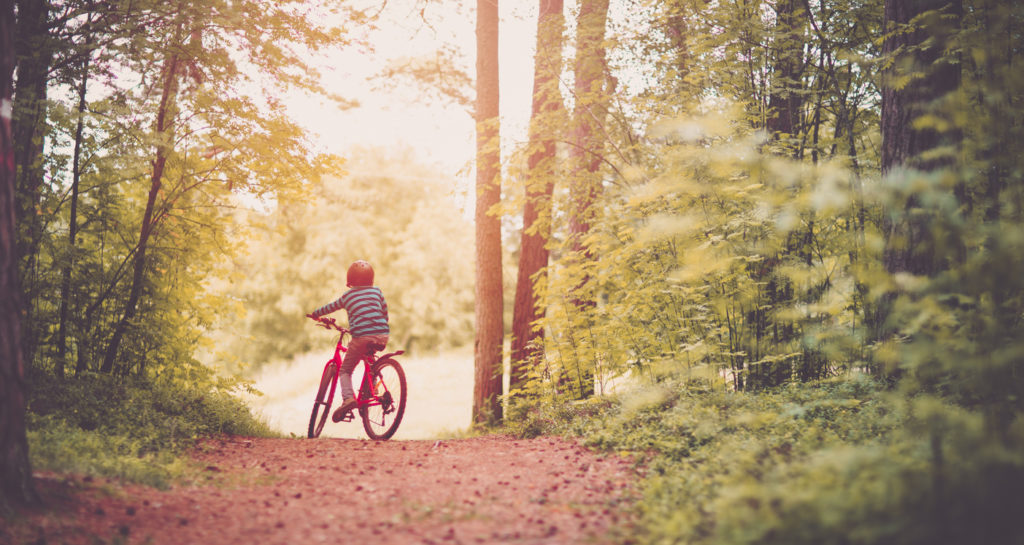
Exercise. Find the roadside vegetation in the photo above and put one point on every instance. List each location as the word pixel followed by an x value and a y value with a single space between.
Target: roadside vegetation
pixel 131 429
pixel 809 268
pixel 841 460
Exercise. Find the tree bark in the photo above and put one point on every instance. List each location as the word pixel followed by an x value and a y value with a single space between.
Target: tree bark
pixel 15 470
pixel 76 175
pixel 34 57
pixel 784 102
pixel 533 258
pixel 164 127
pixel 487 388
pixel 585 155
pixel 588 116
pixel 908 246
pixel 903 145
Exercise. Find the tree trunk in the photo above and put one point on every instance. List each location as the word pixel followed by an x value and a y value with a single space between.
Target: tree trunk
pixel 533 258
pixel 907 248
pixel 15 470
pixel 164 126
pixel 586 152
pixel 35 55
pixel 489 324
pixel 76 175
pixel 588 116
pixel 784 102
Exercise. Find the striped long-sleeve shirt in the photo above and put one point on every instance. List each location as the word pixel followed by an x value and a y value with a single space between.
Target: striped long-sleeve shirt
pixel 367 311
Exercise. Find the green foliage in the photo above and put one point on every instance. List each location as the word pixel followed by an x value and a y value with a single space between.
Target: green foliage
pixel 202 90
pixel 836 461
pixel 389 210
pixel 56 446
pixel 720 259
pixel 132 429
pixel 196 88
pixel 793 384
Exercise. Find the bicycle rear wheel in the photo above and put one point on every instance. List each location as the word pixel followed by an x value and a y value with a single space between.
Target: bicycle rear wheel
pixel 322 403
pixel 381 418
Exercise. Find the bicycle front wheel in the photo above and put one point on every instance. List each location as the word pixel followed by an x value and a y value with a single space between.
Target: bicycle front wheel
pixel 322 403
pixel 383 415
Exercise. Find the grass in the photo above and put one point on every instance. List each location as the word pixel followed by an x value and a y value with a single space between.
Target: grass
pixel 137 431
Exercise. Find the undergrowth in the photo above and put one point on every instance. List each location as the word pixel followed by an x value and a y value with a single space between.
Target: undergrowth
pixel 129 429
pixel 841 461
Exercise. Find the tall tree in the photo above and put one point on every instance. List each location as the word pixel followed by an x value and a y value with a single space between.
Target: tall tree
pixel 35 50
pixel 917 32
pixel 586 152
pixel 533 257
pixel 587 142
pixel 164 131
pixel 487 387
pixel 76 177
pixel 15 471
pixel 208 135
pixel 784 104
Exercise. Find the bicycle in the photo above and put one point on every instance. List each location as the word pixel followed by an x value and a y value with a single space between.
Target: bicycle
pixel 381 396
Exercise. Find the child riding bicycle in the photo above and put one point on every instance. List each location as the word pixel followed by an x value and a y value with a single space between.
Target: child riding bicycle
pixel 367 319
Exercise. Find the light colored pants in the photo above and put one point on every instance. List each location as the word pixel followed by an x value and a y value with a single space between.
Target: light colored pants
pixel 357 348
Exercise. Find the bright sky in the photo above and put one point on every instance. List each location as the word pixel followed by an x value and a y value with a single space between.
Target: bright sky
pixel 440 134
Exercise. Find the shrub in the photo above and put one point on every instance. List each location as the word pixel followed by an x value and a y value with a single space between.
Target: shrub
pixel 835 461
pixel 128 428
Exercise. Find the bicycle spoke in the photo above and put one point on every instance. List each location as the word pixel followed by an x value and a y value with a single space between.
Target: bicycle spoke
pixel 382 416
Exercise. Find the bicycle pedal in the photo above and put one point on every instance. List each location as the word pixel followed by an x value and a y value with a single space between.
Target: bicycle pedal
pixel 346 417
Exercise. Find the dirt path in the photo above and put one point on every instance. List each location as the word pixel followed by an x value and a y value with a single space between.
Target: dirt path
pixel 281 491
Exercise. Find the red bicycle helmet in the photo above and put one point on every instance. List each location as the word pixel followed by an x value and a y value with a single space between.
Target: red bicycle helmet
pixel 360 273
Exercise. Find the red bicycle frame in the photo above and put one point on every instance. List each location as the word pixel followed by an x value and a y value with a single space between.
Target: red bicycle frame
pixel 367 394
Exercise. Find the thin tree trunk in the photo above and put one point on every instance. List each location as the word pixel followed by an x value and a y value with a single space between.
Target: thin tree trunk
pixel 76 175
pixel 586 151
pixel 527 349
pixel 16 485
pixel 164 126
pixel 588 116
pixel 487 388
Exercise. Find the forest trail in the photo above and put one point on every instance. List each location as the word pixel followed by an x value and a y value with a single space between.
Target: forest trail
pixel 491 489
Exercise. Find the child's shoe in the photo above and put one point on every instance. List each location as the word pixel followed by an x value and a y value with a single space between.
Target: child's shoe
pixel 346 407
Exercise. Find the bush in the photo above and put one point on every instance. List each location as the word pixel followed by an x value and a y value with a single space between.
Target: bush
pixel 837 461
pixel 127 428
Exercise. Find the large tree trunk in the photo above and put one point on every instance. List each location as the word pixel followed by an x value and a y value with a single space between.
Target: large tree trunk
pixel 909 248
pixel 784 103
pixel 15 471
pixel 903 145
pixel 533 258
pixel 489 325
pixel 35 55
pixel 164 127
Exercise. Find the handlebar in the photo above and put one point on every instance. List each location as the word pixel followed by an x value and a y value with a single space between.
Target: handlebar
pixel 328 323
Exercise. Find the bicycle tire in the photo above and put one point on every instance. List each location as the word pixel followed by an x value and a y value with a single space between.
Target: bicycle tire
pixel 380 421
pixel 322 403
